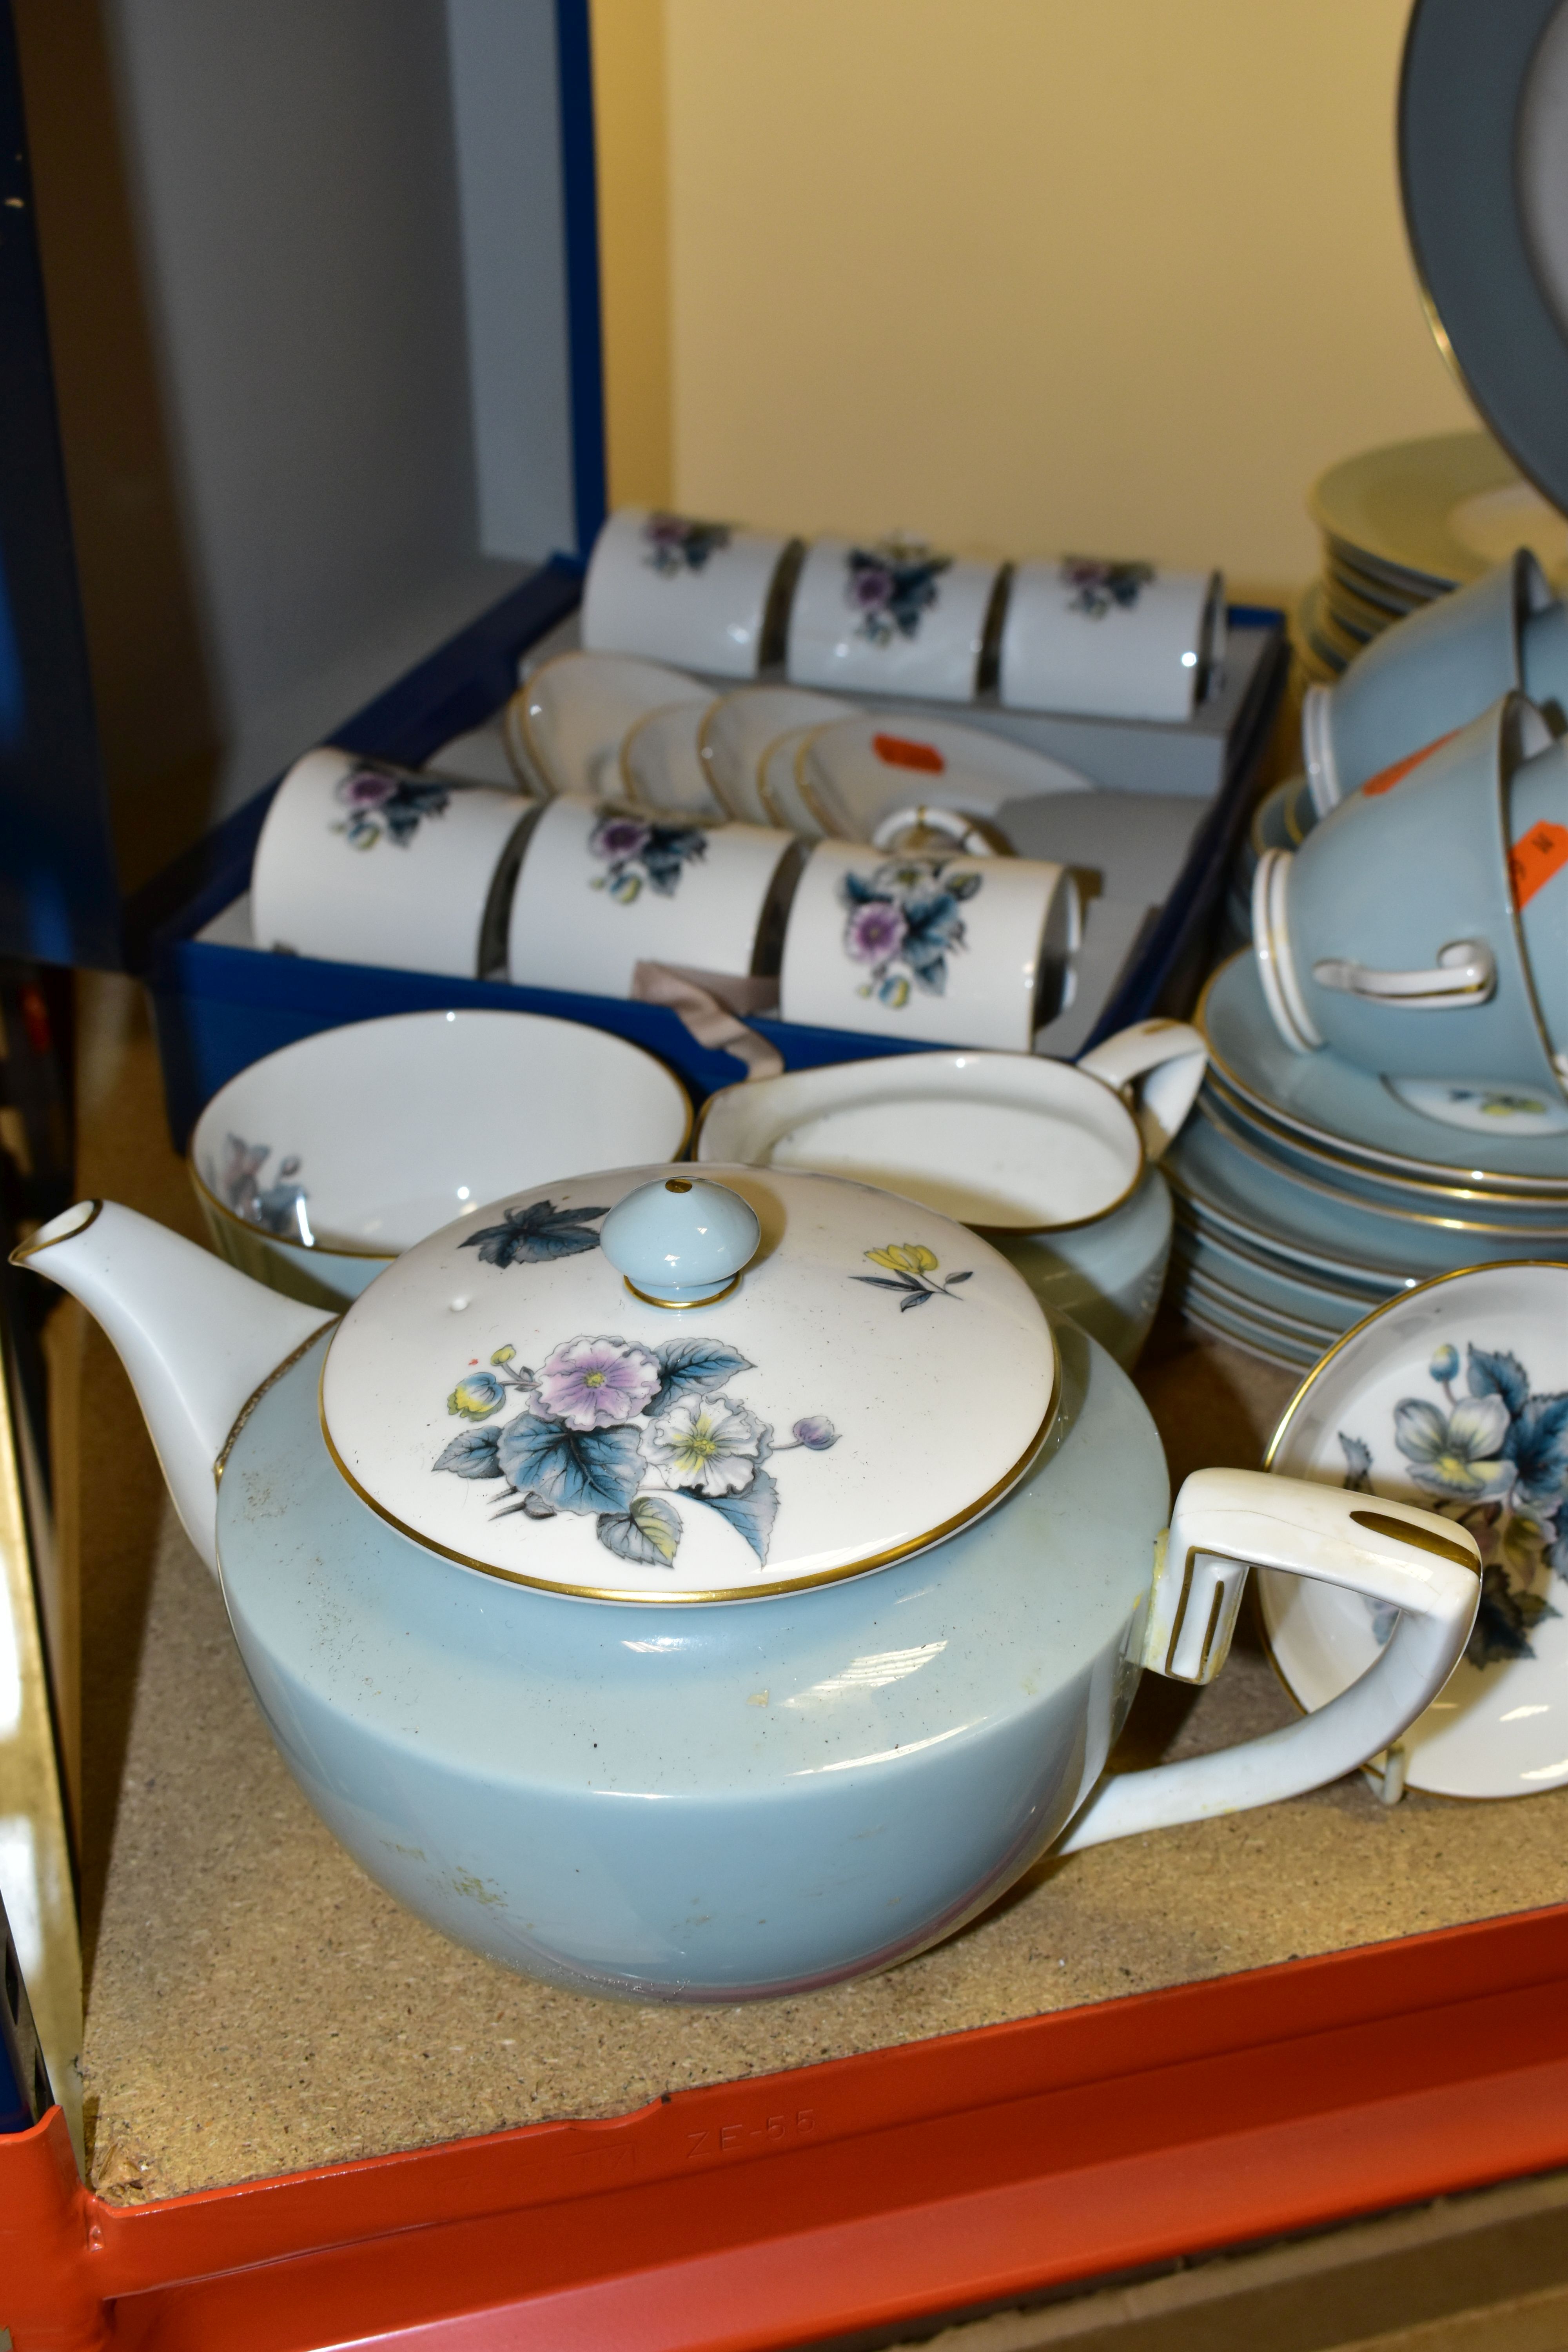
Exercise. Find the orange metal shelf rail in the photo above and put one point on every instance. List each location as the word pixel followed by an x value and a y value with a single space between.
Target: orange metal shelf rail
pixel 869 2192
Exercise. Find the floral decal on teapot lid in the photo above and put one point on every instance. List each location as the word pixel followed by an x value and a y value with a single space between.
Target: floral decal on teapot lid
pixel 617 1430
pixel 510 1396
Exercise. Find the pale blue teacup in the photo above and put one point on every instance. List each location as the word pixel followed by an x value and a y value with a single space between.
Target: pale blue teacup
pixel 1432 672
pixel 1391 935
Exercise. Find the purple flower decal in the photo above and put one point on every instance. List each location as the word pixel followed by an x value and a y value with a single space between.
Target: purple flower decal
pixel 875 931
pixel 386 800
pixel 619 836
pixel 891 586
pixel 1100 586
pixel 815 1431
pixel 677 543
pixel 905 920
pixel 365 789
pixel 627 1435
pixel 871 587
pixel 634 853
pixel 594 1383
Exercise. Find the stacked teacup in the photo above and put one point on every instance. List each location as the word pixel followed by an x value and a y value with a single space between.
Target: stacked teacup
pixel 1388 1097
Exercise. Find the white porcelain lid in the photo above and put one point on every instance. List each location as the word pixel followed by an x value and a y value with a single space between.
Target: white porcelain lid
pixel 504 1395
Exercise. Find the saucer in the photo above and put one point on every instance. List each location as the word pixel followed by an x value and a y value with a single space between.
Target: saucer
pixel 1384 1194
pixel 1215 1323
pixel 855 773
pixel 1403 507
pixel 1321 1305
pixel 660 769
pixel 571 716
pixel 778 791
pixel 1452 1397
pixel 1200 1282
pixel 1481 1110
pixel 740 728
pixel 1310 1224
pixel 1350 1112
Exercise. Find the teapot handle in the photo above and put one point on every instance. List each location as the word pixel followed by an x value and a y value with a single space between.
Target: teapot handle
pixel 1170 1056
pixel 1225 1520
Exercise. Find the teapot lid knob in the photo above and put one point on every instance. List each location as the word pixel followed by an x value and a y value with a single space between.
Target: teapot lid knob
pixel 681 1241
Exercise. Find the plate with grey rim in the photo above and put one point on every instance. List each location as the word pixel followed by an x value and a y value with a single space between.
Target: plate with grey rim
pixel 1483 155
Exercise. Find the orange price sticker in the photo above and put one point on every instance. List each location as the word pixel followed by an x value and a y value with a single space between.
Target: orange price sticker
pixel 1535 857
pixel 897 751
pixel 1385 781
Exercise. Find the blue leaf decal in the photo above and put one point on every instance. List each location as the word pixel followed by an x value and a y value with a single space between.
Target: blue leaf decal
pixel 575 1469
pixel 649 1533
pixel 1505 1621
pixel 753 1512
pixel 471 1454
pixel 693 1364
pixel 1358 1464
pixel 538 1233
pixel 1499 1375
pixel 1537 1443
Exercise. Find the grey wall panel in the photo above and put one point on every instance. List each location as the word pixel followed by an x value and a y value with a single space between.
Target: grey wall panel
pixel 506 105
pixel 295 184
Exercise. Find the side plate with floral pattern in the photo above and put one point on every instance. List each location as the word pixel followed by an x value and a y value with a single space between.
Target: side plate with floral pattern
pixel 1455 1397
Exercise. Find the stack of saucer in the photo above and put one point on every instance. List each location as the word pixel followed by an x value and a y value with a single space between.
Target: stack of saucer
pixel 1307 1191
pixel 1405 523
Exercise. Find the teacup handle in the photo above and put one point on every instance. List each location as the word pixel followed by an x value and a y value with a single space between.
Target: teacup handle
pixel 902 829
pixel 1170 1058
pixel 1227 1520
pixel 1466 974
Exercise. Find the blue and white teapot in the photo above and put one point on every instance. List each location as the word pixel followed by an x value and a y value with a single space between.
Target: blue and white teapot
pixel 704 1587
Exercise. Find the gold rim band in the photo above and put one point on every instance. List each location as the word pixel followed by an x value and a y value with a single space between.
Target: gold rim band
pixel 762 1591
pixel 24 1251
pixel 682 1305
pixel 257 1393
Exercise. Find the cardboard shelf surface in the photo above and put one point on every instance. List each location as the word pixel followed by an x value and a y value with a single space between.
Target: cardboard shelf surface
pixel 257 2005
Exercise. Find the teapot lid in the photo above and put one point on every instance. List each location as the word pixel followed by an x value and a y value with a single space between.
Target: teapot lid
pixel 598 1386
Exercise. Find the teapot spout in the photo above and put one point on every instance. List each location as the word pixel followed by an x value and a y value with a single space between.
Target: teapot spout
pixel 197 1337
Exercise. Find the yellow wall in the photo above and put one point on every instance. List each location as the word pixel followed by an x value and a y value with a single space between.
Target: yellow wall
pixel 1025 275
pixel 632 143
